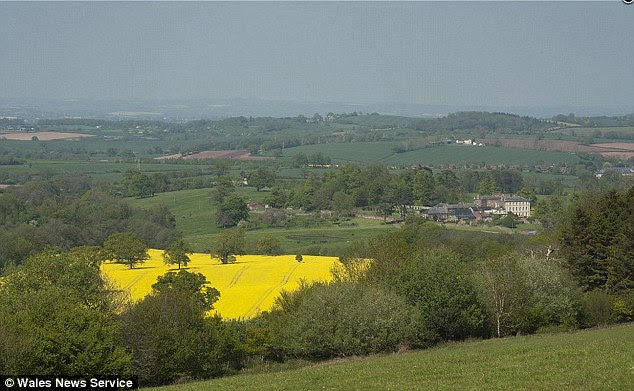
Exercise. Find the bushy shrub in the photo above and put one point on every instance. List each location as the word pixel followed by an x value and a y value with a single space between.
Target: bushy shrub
pixel 339 319
pixel 171 337
pixel 440 287
pixel 623 308
pixel 268 245
pixel 57 317
pixel 597 308
pixel 524 294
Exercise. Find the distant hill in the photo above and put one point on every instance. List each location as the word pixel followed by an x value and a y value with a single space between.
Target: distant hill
pixel 602 121
pixel 482 121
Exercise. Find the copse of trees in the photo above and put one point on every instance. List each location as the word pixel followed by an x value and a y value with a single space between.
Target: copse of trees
pixel 171 337
pixel 435 285
pixel 481 121
pixel 596 241
pixel 268 245
pixel 58 316
pixel 338 320
pixel 68 212
pixel 261 178
pixel 373 185
pixel 524 294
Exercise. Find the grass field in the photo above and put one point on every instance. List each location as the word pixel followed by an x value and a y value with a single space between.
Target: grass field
pixel 110 171
pixel 599 359
pixel 381 152
pixel 98 145
pixel 248 286
pixel 194 209
pixel 194 212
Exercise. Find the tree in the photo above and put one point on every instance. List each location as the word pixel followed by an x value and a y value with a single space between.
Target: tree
pixel 171 337
pixel 528 193
pixel 486 185
pixel 596 241
pixel 299 258
pixel 59 317
pixel 342 203
pixel 138 184
pixel 423 187
pixel 509 221
pixel 230 242
pixel 192 284
pixel 231 210
pixel 220 167
pixel 438 284
pixel 504 291
pixel 340 320
pixel 261 178
pixel 127 248
pixel 176 253
pixel 224 187
pixel 269 245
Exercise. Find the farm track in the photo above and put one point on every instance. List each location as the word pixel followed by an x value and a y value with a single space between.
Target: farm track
pixel 236 277
pixel 255 307
pixel 287 277
pixel 134 281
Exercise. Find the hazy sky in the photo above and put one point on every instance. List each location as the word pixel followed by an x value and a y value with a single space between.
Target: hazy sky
pixel 475 53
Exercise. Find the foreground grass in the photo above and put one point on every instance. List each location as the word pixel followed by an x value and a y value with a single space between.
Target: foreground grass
pixel 599 359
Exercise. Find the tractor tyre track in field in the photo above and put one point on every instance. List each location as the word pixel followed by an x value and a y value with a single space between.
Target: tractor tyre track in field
pixel 251 311
pixel 134 281
pixel 236 277
pixel 287 277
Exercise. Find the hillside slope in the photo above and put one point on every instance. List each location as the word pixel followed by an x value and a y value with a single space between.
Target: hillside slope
pixel 600 359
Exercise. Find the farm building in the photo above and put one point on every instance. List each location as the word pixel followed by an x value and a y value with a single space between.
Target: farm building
pixel 254 206
pixel 508 204
pixel 625 171
pixel 451 212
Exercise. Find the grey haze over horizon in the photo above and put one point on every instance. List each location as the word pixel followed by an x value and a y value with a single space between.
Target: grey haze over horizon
pixel 424 55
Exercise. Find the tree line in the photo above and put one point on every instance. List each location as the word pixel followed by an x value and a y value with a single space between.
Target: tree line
pixel 67 212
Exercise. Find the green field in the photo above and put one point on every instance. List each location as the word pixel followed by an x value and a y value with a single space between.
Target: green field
pixel 194 212
pixel 110 171
pixel 381 152
pixel 599 359
pixel 99 145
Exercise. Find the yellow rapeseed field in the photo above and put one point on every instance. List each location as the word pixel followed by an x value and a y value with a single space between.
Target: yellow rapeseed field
pixel 248 286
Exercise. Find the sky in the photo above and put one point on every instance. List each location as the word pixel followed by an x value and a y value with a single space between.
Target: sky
pixel 445 53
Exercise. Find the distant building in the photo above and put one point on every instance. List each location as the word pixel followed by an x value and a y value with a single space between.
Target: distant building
pixel 489 202
pixel 253 206
pixel 519 206
pixel 625 171
pixel 451 212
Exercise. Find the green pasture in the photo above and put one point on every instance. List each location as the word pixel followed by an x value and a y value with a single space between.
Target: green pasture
pixel 195 218
pixel 98 146
pixel 110 171
pixel 597 359
pixel 382 152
